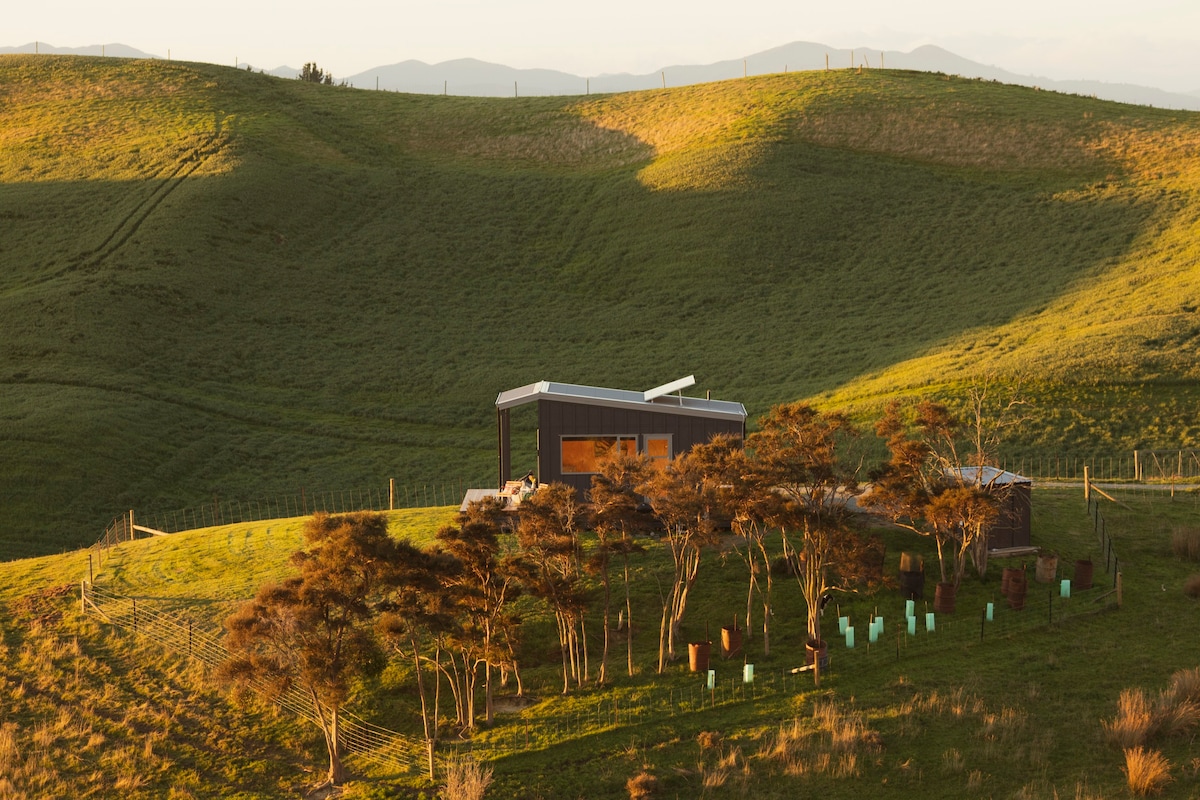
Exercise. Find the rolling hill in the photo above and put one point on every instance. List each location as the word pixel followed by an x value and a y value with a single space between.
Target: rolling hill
pixel 219 284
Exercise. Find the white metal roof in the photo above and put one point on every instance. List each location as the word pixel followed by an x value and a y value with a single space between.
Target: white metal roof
pixel 992 476
pixel 621 398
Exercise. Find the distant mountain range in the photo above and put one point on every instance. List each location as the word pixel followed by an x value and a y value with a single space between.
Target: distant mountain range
pixel 471 77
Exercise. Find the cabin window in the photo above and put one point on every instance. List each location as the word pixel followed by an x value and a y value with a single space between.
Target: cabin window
pixel 581 455
pixel 658 448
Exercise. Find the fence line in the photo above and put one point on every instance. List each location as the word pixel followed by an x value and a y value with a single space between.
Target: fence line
pixel 231 512
pixel 1139 465
pixel 177 633
pixel 302 503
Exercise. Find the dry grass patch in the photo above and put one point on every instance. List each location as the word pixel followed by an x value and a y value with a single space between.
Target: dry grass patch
pixel 1135 722
pixel 831 743
pixel 942 135
pixel 1146 771
pixel 642 786
pixel 1175 712
pixel 1191 586
pixel 467 780
pixel 1185 543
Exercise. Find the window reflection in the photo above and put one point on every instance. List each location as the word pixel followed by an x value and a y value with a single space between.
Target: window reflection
pixel 583 454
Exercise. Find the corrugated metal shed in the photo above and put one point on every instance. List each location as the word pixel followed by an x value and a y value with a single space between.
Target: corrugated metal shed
pixel 1014 528
pixel 991 476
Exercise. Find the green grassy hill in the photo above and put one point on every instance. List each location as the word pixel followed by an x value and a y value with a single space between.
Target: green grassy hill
pixel 89 709
pixel 217 284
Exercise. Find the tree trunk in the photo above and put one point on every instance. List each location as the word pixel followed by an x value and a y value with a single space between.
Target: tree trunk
pixel 749 626
pixel 602 676
pixel 487 672
pixel 766 598
pixel 426 723
pixel 487 691
pixel 564 646
pixel 628 620
pixel 337 773
pixel 329 730
pixel 583 644
pixel 664 636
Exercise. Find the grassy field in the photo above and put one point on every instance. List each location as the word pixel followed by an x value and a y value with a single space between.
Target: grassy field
pixel 218 284
pixel 1020 714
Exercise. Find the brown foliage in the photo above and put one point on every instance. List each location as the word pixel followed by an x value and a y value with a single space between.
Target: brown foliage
pixel 642 786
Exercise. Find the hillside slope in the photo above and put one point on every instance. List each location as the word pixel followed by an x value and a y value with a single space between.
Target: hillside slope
pixel 219 284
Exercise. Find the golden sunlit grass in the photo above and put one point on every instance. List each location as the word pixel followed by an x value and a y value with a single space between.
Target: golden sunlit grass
pixel 1147 771
pixel 1136 720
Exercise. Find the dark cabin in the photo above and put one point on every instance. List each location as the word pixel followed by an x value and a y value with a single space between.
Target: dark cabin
pixel 579 425
pixel 1012 529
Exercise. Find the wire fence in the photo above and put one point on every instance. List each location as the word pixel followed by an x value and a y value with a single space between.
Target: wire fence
pixel 175 631
pixel 1138 465
pixel 128 526
pixel 302 503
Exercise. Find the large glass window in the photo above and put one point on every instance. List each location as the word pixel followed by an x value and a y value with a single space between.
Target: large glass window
pixel 581 455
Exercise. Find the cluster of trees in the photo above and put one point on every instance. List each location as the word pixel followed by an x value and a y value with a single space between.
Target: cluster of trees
pixel 360 597
pixel 311 73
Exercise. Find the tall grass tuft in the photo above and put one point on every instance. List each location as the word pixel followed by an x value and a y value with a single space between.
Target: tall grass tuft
pixel 1135 720
pixel 831 745
pixel 467 780
pixel 642 786
pixel 1185 685
pixel 1185 543
pixel 1146 771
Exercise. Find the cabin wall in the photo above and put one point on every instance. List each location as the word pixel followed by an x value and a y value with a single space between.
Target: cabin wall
pixel 557 419
pixel 1016 514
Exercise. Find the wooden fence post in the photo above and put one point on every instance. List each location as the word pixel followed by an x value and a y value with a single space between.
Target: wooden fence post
pixel 1120 593
pixel 1087 488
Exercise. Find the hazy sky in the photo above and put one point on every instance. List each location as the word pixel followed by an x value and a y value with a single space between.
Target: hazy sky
pixel 1151 42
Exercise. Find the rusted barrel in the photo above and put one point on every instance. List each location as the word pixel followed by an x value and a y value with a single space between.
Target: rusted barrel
pixel 943 598
pixel 1016 591
pixel 1047 569
pixel 731 641
pixel 1009 574
pixel 698 656
pixel 1083 574
pixel 912 585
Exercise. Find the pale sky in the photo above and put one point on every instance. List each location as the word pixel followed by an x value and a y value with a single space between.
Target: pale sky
pixel 1149 42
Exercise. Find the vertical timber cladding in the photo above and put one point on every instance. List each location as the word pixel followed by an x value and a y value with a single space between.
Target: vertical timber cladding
pixel 557 419
pixel 1012 529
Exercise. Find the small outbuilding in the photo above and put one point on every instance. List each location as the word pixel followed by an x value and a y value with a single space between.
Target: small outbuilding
pixel 578 425
pixel 1015 494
